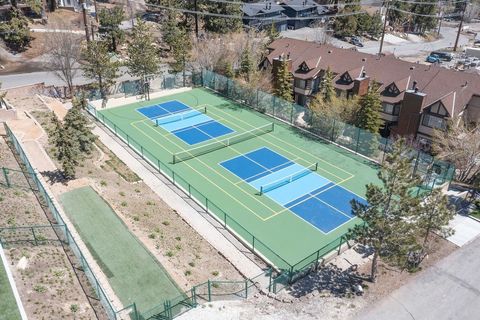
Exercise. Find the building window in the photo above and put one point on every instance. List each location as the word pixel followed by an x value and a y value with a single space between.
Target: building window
pixel 301 84
pixel 393 109
pixel 434 122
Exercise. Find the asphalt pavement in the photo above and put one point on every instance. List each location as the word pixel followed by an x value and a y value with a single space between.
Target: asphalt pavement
pixel 450 289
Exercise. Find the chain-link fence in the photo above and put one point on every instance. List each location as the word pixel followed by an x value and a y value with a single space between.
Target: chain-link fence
pixel 433 172
pixel 13 178
pixel 39 234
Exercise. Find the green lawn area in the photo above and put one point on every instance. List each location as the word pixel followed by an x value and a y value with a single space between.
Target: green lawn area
pixel 134 274
pixel 8 305
pixel 280 235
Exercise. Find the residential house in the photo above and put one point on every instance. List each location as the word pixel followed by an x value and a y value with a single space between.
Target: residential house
pixel 302 10
pixel 261 15
pixel 416 98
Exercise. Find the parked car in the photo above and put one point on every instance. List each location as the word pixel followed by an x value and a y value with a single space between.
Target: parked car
pixel 356 41
pixel 433 58
pixel 444 56
pixel 150 16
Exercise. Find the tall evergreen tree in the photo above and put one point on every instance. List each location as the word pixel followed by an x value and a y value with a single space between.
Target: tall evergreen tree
pixel 273 33
pixel 180 51
pixel 370 108
pixel 77 127
pixel 282 83
pixel 110 20
pixel 66 147
pixel 15 31
pixel 170 29
pixel 219 24
pixel 425 19
pixel 387 211
pixel 246 63
pixel 327 89
pixel 98 65
pixel 143 59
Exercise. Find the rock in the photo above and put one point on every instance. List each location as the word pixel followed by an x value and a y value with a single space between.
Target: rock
pixel 22 263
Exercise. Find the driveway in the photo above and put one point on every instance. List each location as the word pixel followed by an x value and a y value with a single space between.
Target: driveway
pixel 448 290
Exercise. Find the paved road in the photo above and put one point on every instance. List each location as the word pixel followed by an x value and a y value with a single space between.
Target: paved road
pixel 448 290
pixel 410 49
pixel 401 50
pixel 50 78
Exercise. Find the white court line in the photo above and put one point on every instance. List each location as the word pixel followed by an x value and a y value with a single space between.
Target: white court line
pixel 12 284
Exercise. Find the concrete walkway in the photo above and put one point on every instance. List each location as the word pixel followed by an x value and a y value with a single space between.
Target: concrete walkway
pixel 198 219
pixel 449 289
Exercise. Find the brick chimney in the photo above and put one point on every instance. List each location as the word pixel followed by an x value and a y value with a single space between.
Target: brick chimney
pixel 360 84
pixel 410 112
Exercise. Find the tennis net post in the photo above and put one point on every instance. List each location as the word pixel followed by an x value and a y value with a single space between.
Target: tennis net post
pixel 221 143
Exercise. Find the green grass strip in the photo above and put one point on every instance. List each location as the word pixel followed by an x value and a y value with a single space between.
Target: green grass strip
pixel 134 274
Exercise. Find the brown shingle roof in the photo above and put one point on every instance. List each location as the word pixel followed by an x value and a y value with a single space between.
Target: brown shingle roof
pixel 434 81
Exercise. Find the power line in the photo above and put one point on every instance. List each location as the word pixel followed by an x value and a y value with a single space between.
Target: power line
pixel 425 15
pixel 282 18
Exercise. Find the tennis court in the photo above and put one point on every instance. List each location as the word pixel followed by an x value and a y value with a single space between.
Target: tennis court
pixel 283 192
pixel 299 189
pixel 190 125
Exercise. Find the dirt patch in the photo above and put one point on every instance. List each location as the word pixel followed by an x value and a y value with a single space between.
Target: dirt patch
pixel 47 284
pixel 45 278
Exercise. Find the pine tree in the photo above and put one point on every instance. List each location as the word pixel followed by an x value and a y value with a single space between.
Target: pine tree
pixel 143 59
pixel 110 20
pixel 370 108
pixel 246 63
pixel 98 65
pixel 229 73
pixel 180 51
pixel 15 31
pixel 432 216
pixel 66 147
pixel 170 30
pixel 390 206
pixel 327 90
pixel 283 82
pixel 76 124
pixel 273 33
pixel 219 24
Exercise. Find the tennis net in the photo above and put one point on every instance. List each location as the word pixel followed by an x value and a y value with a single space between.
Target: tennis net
pixel 219 144
pixel 180 116
pixel 287 179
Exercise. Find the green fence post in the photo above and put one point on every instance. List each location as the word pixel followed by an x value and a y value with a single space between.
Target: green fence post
pixel 34 237
pixel 253 243
pixel 194 296
pixel 209 292
pixel 246 289
pixel 270 280
pixel 291 113
pixel 5 173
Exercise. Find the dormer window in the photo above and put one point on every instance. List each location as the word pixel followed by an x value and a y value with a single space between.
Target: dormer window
pixel 393 90
pixel 439 109
pixel 304 67
pixel 346 78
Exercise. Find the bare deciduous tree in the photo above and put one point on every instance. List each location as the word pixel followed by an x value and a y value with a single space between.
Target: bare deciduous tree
pixel 461 146
pixel 64 53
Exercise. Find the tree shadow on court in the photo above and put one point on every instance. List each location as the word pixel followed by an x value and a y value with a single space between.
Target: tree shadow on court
pixel 328 279
pixel 55 176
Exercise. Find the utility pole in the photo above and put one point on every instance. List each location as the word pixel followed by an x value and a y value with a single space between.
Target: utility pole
pixel 96 10
pixel 387 4
pixel 440 14
pixel 460 26
pixel 85 21
pixel 196 18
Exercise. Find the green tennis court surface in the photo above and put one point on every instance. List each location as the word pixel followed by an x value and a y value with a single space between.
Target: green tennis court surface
pixel 8 305
pixel 285 231
pixel 133 273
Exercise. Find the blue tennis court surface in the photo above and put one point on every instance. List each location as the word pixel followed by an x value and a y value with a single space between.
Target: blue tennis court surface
pixel 190 125
pixel 307 194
